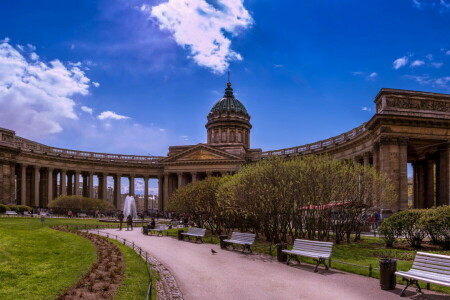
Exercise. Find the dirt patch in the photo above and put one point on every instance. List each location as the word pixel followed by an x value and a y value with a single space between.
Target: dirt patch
pixel 105 275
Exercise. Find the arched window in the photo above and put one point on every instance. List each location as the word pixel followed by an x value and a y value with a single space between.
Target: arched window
pixel 239 137
pixel 232 136
pixel 224 136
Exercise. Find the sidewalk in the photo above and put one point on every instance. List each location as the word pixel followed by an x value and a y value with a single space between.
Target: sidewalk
pixel 233 275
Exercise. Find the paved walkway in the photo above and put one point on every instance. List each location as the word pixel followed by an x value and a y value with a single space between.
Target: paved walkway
pixel 232 275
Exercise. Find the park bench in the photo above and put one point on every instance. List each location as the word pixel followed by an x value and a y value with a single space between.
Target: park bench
pixel 427 267
pixel 318 251
pixel 198 233
pixel 82 215
pixel 158 230
pixel 10 213
pixel 243 239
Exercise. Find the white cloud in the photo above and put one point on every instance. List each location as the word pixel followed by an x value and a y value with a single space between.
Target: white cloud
pixel 400 62
pixel 365 108
pixel 417 63
pixel 368 76
pixel 35 96
pixel 96 84
pixel 278 66
pixel 201 27
pixel 447 52
pixel 373 75
pixel 441 82
pixel 437 65
pixel 111 115
pixel 34 56
pixel 87 109
pixel 429 56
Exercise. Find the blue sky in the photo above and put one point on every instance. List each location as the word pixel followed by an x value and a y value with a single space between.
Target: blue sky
pixel 138 76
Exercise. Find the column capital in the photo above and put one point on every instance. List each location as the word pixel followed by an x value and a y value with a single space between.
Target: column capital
pixel 37 167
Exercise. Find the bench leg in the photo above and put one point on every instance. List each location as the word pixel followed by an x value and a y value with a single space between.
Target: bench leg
pixel 199 239
pixel 320 261
pixel 410 282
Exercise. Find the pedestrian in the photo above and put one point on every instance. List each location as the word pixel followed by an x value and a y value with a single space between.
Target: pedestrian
pixel 152 224
pixel 120 217
pixel 129 222
pixel 70 214
pixel 372 221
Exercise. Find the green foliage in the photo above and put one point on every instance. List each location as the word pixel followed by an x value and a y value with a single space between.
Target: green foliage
pixel 4 208
pixel 200 202
pixel 279 198
pixel 436 222
pixel 79 203
pixel 391 229
pixel 20 208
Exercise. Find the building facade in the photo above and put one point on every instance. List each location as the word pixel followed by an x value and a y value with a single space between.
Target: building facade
pixel 408 127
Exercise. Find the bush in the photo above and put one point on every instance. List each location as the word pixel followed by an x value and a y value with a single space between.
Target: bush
pixel 3 208
pixel 20 208
pixel 79 203
pixel 436 223
pixel 390 229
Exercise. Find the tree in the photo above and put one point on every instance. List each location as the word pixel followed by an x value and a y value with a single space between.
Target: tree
pixel 79 203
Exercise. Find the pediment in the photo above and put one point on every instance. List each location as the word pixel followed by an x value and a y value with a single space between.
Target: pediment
pixel 201 153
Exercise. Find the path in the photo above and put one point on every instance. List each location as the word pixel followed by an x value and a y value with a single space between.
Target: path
pixel 233 275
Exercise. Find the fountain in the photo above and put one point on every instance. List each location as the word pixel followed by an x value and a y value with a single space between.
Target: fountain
pixel 129 207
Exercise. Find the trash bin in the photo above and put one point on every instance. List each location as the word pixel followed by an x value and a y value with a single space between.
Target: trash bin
pixel 281 256
pixel 388 266
pixel 145 229
pixel 223 244
pixel 180 236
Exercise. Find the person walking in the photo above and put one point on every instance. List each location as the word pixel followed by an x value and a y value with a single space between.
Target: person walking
pixel 120 217
pixel 129 222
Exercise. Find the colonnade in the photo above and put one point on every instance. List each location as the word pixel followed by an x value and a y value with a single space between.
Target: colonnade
pixel 430 170
pixel 36 186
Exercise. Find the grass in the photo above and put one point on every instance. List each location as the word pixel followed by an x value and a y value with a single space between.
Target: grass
pixel 37 262
pixel 136 277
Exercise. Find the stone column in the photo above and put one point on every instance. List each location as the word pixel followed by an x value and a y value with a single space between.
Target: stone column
pixel 36 185
pixel 23 184
pixel 146 179
pixel 91 184
pixel 366 159
pixel 117 189
pixel 103 186
pixel 180 179
pixel 160 192
pixel 444 175
pixel 393 163
pixel 131 189
pixel 63 182
pixel 194 176
pixel 208 174
pixel 166 191
pixel 76 188
pixel 415 167
pixel 429 198
pixel 50 185
pixel 376 156
pixel 421 184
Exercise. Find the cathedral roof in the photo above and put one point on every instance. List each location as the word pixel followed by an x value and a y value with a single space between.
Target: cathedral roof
pixel 228 103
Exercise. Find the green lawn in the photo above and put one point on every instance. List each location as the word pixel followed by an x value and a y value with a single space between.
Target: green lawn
pixel 136 279
pixel 37 262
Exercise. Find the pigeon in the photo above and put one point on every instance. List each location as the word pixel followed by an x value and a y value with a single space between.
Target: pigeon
pixel 213 252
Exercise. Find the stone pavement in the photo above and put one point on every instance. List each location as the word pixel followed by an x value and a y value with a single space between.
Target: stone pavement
pixel 233 275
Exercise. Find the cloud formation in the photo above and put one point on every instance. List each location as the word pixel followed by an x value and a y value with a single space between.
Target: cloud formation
pixel 400 62
pixel 36 96
pixel 417 63
pixel 87 109
pixel 204 28
pixel 111 115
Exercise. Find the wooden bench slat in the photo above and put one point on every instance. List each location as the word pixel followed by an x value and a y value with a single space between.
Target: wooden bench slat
pixel 430 269
pixel 433 261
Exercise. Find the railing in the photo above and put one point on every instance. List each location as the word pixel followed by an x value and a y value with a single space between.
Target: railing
pixel 27 145
pixel 320 145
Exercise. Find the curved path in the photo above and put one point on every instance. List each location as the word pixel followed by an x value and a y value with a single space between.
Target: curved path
pixel 232 275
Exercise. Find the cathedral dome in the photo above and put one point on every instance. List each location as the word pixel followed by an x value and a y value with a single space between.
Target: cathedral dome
pixel 228 103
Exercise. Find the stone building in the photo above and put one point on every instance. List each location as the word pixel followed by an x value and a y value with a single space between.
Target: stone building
pixel 408 127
